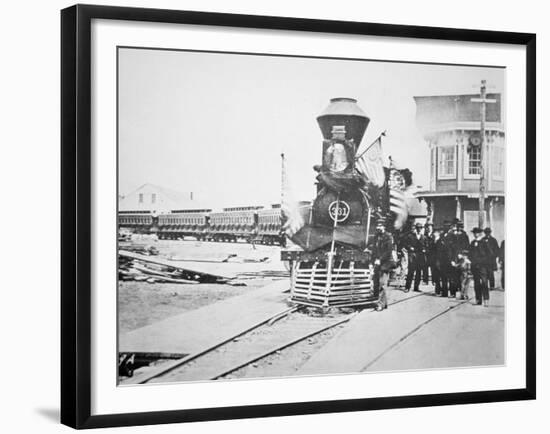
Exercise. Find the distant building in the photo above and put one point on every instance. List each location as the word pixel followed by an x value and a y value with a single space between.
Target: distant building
pixel 450 126
pixel 153 199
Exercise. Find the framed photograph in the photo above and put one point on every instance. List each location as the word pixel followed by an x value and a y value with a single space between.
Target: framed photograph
pixel 267 216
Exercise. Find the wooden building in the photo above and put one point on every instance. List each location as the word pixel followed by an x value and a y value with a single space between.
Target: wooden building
pixel 155 200
pixel 450 125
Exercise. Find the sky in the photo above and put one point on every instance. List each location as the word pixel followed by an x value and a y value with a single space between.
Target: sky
pixel 216 123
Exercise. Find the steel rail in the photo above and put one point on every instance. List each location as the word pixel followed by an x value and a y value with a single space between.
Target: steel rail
pixel 170 366
pixel 165 368
pixel 410 333
pixel 282 346
pixel 299 339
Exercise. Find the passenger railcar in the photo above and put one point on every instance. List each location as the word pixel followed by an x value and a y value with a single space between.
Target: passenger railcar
pixel 178 225
pixel 232 225
pixel 138 222
pixel 269 227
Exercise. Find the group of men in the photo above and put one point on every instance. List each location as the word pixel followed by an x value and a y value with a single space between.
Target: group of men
pixel 448 255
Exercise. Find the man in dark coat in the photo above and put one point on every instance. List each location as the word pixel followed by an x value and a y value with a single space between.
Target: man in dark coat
pixel 481 256
pixel 382 252
pixel 493 245
pixel 428 266
pixel 445 261
pixel 457 241
pixel 415 244
pixel 440 264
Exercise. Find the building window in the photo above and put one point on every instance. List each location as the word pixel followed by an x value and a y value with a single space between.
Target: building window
pixel 141 198
pixel 474 160
pixel 153 198
pixel 498 163
pixel 447 162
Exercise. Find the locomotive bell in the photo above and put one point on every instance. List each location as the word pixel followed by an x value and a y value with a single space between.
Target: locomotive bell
pixel 344 112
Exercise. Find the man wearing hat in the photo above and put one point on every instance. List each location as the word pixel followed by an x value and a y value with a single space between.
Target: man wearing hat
pixel 428 266
pixel 493 245
pixel 457 241
pixel 415 244
pixel 382 253
pixel 443 257
pixel 440 265
pixel 481 256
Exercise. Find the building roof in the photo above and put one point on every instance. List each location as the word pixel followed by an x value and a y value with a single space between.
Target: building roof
pixel 438 111
pixel 166 200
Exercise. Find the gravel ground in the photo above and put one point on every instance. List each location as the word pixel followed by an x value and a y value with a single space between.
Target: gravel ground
pixel 286 362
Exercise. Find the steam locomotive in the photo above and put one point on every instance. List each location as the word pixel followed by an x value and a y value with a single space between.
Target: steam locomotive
pixel 332 265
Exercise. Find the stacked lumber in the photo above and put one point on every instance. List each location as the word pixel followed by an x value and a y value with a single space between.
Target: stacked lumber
pixel 134 269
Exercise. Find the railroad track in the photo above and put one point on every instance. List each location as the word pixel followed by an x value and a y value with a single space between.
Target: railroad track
pixel 273 335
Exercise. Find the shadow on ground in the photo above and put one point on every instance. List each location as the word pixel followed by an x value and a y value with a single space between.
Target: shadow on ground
pixel 52 414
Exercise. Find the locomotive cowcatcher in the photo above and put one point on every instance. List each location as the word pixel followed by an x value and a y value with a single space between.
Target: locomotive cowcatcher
pixel 331 265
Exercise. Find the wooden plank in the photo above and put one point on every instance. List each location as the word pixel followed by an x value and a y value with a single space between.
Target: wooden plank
pixel 344 284
pixel 225 270
pixel 200 268
pixel 337 296
pixel 335 281
pixel 339 293
pixel 334 289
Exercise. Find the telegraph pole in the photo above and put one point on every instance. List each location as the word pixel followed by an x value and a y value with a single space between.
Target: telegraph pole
pixel 483 100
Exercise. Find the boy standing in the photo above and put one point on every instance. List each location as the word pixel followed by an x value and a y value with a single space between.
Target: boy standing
pixel 466 277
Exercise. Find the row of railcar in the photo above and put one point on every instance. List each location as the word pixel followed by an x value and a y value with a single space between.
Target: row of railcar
pixel 252 224
pixel 135 220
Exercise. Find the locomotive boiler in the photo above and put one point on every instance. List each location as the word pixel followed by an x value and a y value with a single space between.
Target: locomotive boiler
pixel 331 264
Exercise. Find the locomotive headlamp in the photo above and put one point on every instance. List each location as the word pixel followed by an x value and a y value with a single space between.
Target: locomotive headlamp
pixel 336 156
pixel 338 132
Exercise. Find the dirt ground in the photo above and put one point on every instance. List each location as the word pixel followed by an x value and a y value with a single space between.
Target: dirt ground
pixel 142 303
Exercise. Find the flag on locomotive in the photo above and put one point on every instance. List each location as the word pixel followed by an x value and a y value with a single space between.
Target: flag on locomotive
pixel 337 258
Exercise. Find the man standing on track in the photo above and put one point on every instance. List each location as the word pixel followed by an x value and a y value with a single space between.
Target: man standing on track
pixel 382 253
pixel 480 255
pixel 493 245
pixel 415 244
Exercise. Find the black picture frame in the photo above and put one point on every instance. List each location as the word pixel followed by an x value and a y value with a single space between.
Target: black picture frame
pixel 76 214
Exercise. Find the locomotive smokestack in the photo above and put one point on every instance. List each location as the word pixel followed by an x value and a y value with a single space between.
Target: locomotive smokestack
pixel 344 112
